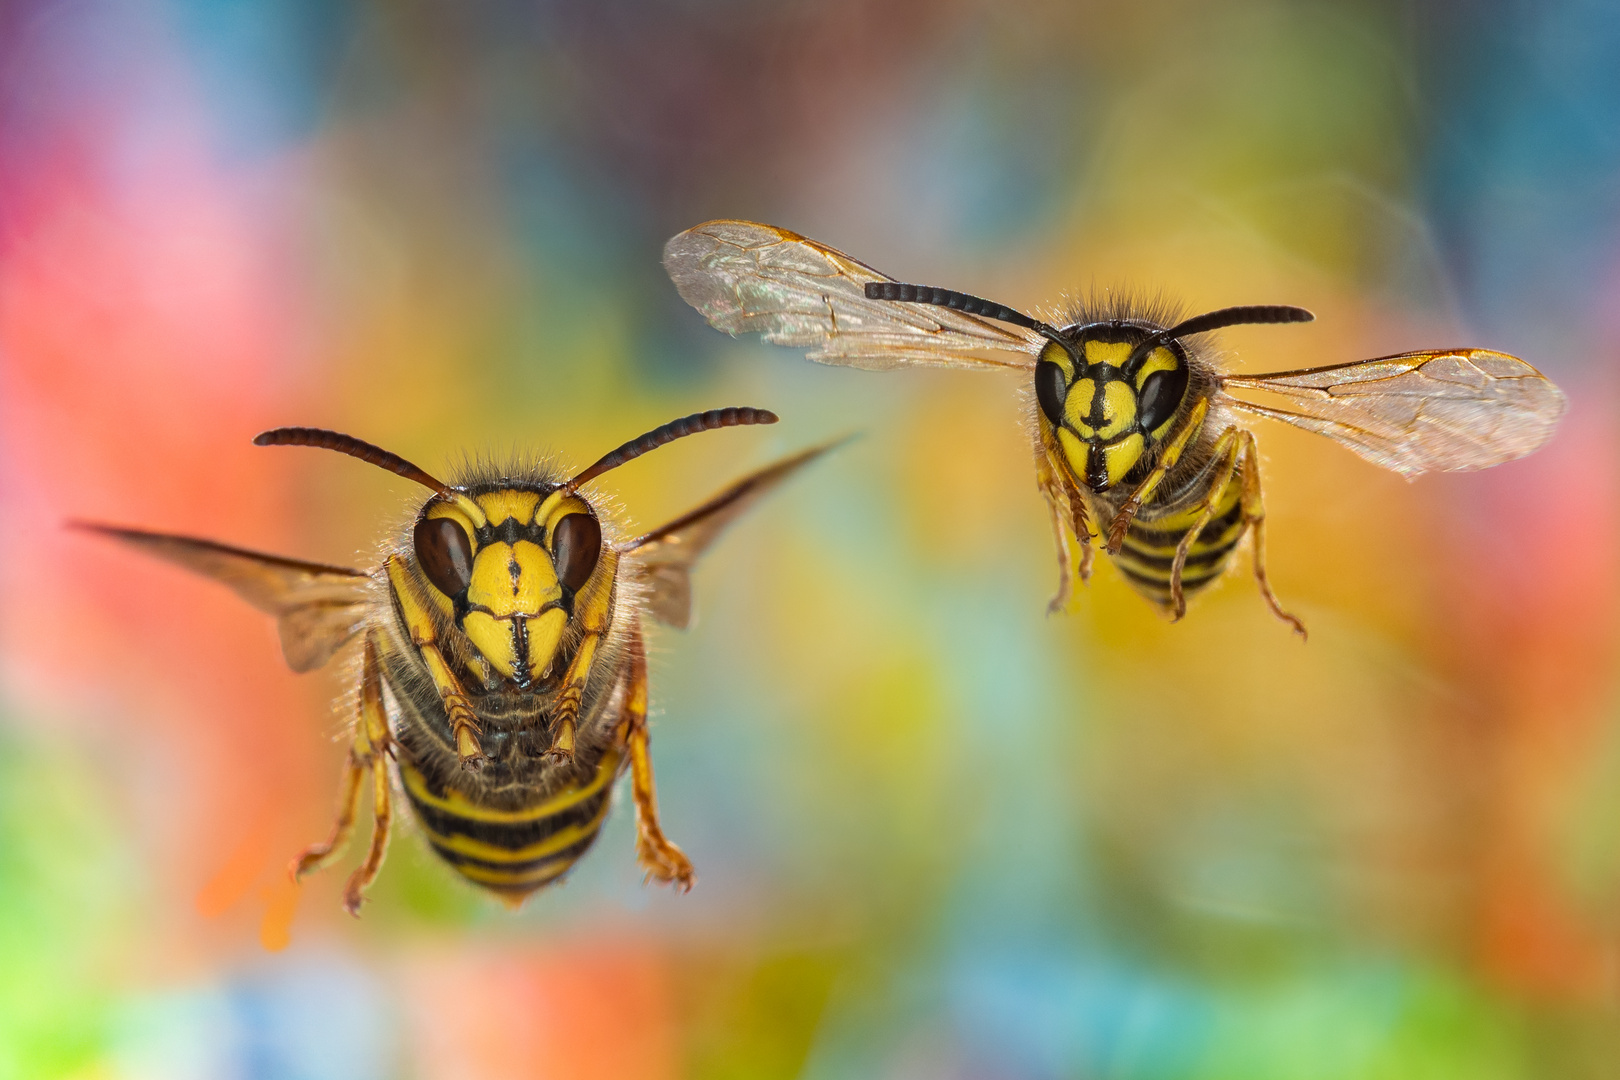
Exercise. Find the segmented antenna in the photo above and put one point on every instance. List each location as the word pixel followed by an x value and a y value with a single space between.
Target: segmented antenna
pixel 968 305
pixel 348 444
pixel 1213 320
pixel 668 433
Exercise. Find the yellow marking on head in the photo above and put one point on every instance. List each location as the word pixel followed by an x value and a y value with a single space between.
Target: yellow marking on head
pixel 1160 359
pixel 513 579
pixel 1112 353
pixel 1119 409
pixel 1077 406
pixel 500 505
pixel 559 506
pixel 1076 452
pixel 1058 355
pixel 545 633
pixel 491 637
pixel 1121 456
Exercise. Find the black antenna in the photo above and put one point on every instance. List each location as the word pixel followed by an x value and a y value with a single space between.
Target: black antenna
pixel 968 305
pixel 668 433
pixel 348 444
pixel 1213 320
pixel 372 455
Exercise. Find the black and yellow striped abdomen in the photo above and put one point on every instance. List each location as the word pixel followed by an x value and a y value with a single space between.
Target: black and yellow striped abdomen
pixel 512 852
pixel 1149 549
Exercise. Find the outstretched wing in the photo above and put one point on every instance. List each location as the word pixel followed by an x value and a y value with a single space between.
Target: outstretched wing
pixel 1440 411
pixel 750 278
pixel 663 558
pixel 317 607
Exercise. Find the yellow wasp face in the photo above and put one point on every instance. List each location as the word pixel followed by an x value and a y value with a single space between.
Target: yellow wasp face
pixel 509 583
pixel 1109 413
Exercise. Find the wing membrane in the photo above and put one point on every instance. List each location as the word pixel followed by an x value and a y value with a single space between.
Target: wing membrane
pixel 664 557
pixel 1440 411
pixel 749 278
pixel 317 607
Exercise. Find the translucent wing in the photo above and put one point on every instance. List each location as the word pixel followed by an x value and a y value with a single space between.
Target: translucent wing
pixel 664 557
pixel 1419 412
pixel 749 278
pixel 317 607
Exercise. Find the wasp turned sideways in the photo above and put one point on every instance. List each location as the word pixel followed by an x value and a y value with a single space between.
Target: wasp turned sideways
pixel 1135 426
pixel 505 623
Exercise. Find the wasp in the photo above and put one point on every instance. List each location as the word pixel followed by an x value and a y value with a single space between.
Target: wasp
pixel 502 664
pixel 1135 425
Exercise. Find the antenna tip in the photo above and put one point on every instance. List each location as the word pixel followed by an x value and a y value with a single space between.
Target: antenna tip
pixel 264 438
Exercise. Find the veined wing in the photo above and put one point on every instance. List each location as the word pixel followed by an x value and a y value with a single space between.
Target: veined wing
pixel 1440 411
pixel 317 607
pixel 750 278
pixel 664 557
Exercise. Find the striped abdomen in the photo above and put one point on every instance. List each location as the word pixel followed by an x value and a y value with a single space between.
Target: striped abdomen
pixel 512 852
pixel 1149 549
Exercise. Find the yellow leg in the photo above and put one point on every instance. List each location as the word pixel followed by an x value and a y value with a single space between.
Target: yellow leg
pixel 1172 454
pixel 1061 496
pixel 1227 447
pixel 1254 515
pixel 659 856
pixel 464 727
pixel 370 742
pixel 382 815
pixel 592 609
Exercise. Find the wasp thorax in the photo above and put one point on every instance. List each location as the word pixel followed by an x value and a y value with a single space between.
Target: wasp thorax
pixel 509 581
pixel 1109 410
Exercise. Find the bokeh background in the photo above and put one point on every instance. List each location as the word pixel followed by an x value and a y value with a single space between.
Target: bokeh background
pixel 938 833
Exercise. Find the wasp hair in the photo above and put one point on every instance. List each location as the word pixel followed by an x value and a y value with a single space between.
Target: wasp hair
pixel 668 433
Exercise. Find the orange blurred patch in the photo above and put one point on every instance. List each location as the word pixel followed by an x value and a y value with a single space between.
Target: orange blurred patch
pixel 595 1009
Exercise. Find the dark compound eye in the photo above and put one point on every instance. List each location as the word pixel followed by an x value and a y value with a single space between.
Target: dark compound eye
pixel 1050 390
pixel 1161 396
pixel 576 544
pixel 445 555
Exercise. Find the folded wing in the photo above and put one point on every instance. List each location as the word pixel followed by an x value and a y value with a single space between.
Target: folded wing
pixel 1438 411
pixel 749 278
pixel 318 608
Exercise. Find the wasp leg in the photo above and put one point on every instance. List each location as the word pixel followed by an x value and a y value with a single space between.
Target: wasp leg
pixel 592 607
pixel 658 855
pixel 464 728
pixel 1172 454
pixel 371 741
pixel 1068 511
pixel 1228 446
pixel 1254 515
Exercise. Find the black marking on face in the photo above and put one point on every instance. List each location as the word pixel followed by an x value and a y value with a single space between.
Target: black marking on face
pixel 520 652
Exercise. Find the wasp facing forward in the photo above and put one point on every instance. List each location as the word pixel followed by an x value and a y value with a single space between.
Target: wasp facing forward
pixel 1133 422
pixel 506 625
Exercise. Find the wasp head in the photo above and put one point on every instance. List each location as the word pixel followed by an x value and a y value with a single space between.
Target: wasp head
pixel 509 581
pixel 1112 410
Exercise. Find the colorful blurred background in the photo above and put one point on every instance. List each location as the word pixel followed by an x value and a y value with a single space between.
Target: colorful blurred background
pixel 938 833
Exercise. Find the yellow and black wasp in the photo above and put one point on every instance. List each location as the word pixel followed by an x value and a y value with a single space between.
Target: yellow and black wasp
pixel 1134 424
pixel 505 622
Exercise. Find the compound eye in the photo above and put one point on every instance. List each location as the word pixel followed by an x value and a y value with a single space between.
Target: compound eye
pixel 576 544
pixel 1050 390
pixel 1161 397
pixel 444 553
